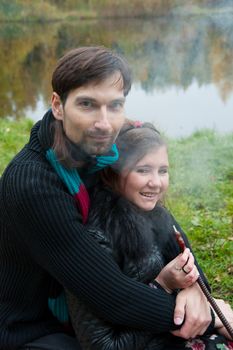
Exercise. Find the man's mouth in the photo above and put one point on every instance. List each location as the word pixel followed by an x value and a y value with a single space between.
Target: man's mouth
pixel 100 137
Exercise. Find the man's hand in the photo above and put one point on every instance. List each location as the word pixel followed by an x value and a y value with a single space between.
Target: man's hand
pixel 192 308
pixel 228 313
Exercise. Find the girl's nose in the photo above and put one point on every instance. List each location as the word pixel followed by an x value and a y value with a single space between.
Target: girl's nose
pixel 155 180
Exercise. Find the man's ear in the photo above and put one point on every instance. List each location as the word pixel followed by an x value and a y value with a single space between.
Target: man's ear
pixel 57 106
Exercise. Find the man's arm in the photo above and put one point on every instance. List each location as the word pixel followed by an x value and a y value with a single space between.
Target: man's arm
pixel 46 221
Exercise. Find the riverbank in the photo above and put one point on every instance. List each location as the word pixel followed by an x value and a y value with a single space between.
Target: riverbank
pixel 49 10
pixel 200 197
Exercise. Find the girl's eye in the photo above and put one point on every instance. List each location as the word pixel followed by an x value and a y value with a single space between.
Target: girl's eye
pixel 163 171
pixel 142 170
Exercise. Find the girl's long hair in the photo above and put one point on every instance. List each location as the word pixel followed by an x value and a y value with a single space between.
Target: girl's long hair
pixel 132 235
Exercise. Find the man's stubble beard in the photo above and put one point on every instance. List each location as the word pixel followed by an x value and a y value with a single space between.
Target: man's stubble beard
pixel 96 148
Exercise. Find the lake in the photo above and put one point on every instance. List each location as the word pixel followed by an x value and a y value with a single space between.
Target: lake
pixel 182 67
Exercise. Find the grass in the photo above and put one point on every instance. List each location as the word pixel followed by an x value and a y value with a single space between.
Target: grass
pixel 200 195
pixel 13 135
pixel 201 198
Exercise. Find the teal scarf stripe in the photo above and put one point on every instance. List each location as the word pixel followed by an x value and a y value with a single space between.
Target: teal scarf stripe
pixel 59 307
pixel 103 161
pixel 70 177
pixel 74 184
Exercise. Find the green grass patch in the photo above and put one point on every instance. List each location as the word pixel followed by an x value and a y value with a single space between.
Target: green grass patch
pixel 200 195
pixel 13 135
pixel 201 198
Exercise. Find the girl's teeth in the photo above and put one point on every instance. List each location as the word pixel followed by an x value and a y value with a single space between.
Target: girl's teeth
pixel 148 194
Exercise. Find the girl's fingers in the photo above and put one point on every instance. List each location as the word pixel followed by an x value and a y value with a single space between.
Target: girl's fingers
pixel 189 264
pixel 192 276
pixel 182 259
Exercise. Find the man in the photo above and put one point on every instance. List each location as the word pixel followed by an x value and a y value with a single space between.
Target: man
pixel 44 203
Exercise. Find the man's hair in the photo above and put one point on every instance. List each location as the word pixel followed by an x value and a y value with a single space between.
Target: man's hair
pixel 79 67
pixel 134 141
pixel 84 65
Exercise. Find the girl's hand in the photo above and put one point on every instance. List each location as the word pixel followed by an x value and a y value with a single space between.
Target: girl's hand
pixel 180 273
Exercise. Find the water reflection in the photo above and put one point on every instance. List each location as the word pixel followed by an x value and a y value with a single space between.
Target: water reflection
pixel 179 113
pixel 182 67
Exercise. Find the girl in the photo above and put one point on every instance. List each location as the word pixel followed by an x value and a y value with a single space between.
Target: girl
pixel 129 220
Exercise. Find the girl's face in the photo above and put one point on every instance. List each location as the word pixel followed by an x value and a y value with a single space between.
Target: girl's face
pixel 147 182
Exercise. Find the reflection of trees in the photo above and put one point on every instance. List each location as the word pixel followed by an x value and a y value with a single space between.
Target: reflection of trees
pixel 25 60
pixel 221 54
pixel 186 51
pixel 162 52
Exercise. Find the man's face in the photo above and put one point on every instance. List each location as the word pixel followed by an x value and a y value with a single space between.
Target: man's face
pixel 93 114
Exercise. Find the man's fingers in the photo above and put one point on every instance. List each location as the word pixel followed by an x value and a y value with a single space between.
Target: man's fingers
pixel 179 312
pixel 188 330
pixel 192 305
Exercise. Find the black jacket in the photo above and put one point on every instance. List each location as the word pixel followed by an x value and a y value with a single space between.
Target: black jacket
pixel 142 243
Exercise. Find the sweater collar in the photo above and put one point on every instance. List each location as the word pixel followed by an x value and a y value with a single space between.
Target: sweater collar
pixel 41 136
pixel 45 132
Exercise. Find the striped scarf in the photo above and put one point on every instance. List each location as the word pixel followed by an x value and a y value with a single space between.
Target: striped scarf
pixel 73 182
pixel 76 187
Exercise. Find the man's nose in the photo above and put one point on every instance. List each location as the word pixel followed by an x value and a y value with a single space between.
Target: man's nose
pixel 102 121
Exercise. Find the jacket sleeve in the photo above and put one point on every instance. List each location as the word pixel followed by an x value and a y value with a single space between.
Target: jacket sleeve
pixel 45 220
pixel 95 333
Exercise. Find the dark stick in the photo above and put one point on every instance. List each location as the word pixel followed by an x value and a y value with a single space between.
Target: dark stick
pixel 205 290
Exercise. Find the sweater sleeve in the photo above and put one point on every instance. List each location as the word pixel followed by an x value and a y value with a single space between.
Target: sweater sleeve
pixel 45 220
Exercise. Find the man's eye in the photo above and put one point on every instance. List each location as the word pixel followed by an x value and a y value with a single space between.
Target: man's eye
pixel 116 105
pixel 86 104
